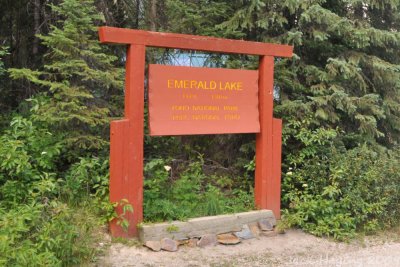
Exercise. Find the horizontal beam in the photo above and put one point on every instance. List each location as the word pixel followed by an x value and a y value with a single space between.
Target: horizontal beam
pixel 192 42
pixel 203 225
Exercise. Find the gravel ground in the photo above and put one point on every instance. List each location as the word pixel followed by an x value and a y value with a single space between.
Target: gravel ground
pixel 294 248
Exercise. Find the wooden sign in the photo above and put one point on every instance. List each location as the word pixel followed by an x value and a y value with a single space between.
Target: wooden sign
pixel 188 100
pixel 213 101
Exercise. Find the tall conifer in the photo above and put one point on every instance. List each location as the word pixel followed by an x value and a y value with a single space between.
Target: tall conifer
pixel 76 78
pixel 346 69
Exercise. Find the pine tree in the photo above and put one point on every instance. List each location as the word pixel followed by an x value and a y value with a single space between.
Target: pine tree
pixel 345 72
pixel 76 79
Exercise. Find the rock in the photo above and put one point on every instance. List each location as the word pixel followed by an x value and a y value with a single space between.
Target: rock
pixel 153 245
pixel 169 244
pixel 269 233
pixel 192 242
pixel 245 233
pixel 265 225
pixel 207 240
pixel 254 229
pixel 228 239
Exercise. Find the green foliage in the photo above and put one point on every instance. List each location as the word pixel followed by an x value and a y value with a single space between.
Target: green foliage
pixel 121 218
pixel 345 69
pixel 198 17
pixel 36 227
pixel 3 52
pixel 28 155
pixel 53 195
pixel 3 88
pixel 340 103
pixel 189 193
pixel 50 234
pixel 77 78
pixel 86 177
pixel 337 192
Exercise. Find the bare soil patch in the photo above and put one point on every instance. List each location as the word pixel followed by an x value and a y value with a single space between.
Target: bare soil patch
pixel 294 248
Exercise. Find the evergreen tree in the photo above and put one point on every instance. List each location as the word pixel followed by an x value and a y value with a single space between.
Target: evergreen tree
pixel 345 69
pixel 77 78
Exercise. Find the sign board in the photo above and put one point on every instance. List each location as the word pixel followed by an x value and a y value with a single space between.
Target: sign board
pixel 189 100
pixel 192 101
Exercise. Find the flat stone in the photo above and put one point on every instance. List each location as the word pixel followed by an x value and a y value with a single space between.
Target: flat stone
pixel 228 239
pixel 265 225
pixel 153 245
pixel 168 244
pixel 245 233
pixel 254 229
pixel 269 233
pixel 207 240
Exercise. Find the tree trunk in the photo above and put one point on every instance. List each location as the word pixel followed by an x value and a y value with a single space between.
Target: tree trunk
pixel 137 14
pixel 36 25
pixel 153 15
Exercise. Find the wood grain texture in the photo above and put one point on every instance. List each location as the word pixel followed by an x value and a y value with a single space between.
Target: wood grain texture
pixel 274 186
pixel 198 227
pixel 192 42
pixel 264 149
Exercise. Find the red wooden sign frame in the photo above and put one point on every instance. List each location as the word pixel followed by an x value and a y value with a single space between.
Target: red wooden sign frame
pixel 126 141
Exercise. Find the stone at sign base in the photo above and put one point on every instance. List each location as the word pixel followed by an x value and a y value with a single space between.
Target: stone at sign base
pixel 254 229
pixel 207 240
pixel 228 239
pixel 245 233
pixel 153 245
pixel 265 225
pixel 198 227
pixel 169 244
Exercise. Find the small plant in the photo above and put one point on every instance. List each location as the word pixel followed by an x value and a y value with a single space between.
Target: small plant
pixel 213 199
pixel 126 207
pixel 172 228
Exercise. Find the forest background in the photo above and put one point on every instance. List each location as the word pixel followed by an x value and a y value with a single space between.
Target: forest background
pixel 338 98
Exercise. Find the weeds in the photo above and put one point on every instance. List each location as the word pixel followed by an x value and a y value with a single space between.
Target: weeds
pixel 190 193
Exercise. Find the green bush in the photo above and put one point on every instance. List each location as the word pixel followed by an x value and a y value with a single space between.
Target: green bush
pixel 48 217
pixel 190 193
pixel 345 192
pixel 28 157
pixel 50 234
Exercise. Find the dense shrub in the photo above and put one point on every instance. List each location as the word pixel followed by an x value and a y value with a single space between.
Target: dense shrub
pixel 47 217
pixel 341 191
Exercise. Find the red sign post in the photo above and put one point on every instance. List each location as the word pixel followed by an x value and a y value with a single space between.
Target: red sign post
pixel 126 144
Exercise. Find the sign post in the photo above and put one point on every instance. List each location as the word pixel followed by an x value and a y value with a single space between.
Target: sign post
pixel 195 101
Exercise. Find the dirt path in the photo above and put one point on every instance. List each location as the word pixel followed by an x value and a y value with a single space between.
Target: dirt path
pixel 294 248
